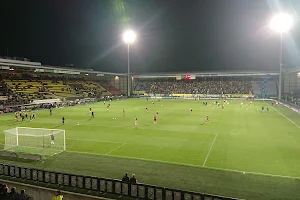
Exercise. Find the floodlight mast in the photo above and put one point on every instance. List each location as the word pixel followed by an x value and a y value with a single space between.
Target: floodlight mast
pixel 129 37
pixel 281 23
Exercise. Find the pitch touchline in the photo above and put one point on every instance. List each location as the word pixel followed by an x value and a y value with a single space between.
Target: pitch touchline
pixel 212 144
pixel 286 117
pixel 115 149
pixel 255 173
pixel 188 165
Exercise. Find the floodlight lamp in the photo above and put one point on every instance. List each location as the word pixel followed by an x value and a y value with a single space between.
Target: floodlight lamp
pixel 129 36
pixel 281 22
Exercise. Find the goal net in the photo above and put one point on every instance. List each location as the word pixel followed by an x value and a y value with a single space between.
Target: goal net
pixel 38 141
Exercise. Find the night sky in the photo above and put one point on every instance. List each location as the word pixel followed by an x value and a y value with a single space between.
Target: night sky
pixel 173 35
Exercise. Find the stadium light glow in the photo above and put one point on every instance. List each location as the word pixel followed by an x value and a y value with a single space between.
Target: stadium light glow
pixel 129 36
pixel 281 22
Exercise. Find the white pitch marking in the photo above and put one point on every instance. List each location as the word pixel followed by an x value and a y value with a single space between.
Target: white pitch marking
pixel 212 144
pixel 100 141
pixel 191 165
pixel 254 173
pixel 115 149
pixel 286 117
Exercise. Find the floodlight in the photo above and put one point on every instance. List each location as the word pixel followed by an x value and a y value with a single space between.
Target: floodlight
pixel 129 36
pixel 281 22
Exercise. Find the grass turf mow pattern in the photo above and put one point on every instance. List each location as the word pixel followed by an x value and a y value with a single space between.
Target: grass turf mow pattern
pixel 241 152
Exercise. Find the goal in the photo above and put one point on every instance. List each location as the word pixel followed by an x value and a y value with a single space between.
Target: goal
pixel 38 141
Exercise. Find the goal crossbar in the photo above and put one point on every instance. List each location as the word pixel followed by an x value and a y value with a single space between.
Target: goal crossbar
pixel 32 135
pixel 47 129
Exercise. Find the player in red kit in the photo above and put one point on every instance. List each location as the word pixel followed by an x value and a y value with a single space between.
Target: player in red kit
pixel 146 108
pixel 154 120
pixel 207 118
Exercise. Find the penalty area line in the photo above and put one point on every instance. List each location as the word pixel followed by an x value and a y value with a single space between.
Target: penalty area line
pixel 115 149
pixel 212 144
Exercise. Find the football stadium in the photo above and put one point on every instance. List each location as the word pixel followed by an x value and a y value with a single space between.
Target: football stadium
pixel 176 131
pixel 77 133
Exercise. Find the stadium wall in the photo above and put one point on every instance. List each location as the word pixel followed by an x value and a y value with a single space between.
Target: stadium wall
pixel 290 106
pixel 93 185
pixel 119 82
pixel 291 82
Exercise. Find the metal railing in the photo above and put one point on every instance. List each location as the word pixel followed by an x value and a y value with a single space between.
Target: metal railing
pixel 104 185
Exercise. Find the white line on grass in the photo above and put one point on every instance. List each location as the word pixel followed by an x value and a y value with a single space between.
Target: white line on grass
pixel 254 173
pixel 212 144
pixel 100 141
pixel 286 117
pixel 83 152
pixel 115 149
pixel 188 165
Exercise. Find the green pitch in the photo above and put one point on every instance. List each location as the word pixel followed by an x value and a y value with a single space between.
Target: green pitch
pixel 240 152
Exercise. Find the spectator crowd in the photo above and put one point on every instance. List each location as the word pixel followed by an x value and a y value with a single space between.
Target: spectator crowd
pixel 12 194
pixel 196 86
pixel 22 88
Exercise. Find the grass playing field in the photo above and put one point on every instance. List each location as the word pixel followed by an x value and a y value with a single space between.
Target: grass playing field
pixel 240 152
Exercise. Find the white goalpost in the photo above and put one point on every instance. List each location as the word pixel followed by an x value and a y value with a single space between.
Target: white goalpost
pixel 39 141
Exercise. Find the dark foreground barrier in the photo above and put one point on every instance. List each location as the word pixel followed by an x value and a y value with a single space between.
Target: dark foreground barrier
pixel 20 155
pixel 103 185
